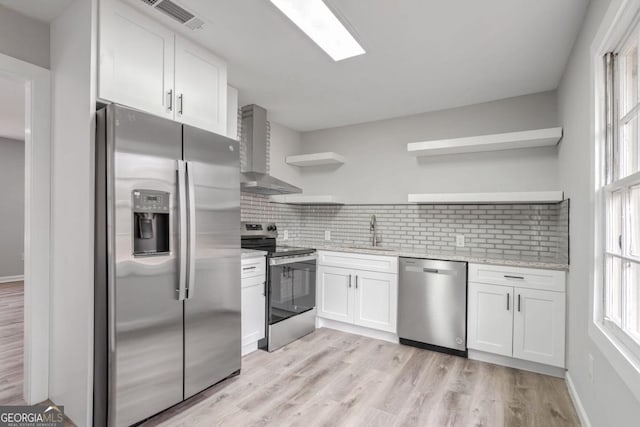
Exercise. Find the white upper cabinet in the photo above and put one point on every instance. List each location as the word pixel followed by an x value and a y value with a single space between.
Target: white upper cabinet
pixel 146 66
pixel 232 112
pixel 136 59
pixel 201 87
pixel 538 326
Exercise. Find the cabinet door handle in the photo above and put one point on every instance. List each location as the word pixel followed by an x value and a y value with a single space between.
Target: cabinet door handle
pixel 508 300
pixel 356 281
pixel 170 99
pixel 518 302
pixel 349 280
pixel 180 103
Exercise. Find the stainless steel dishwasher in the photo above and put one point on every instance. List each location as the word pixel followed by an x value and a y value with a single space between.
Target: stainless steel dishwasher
pixel 432 305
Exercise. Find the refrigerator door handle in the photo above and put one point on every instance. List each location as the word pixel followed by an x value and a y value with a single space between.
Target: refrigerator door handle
pixel 182 218
pixel 191 208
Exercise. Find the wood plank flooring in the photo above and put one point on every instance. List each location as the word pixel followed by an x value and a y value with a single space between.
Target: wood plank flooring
pixel 11 343
pixel 331 378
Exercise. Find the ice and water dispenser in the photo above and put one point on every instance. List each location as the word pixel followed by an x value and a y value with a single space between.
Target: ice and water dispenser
pixel 150 222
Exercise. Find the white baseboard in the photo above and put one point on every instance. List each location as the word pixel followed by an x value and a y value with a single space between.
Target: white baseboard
pixel 8 279
pixel 577 403
pixel 357 330
pixel 525 365
pixel 249 348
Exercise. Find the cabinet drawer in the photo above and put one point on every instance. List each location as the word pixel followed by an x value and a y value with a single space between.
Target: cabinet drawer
pixel 253 267
pixel 520 277
pixel 383 264
pixel 247 282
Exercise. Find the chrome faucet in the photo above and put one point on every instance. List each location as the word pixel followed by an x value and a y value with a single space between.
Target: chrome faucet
pixel 372 229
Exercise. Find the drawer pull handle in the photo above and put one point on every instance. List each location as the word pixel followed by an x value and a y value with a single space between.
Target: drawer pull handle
pixel 506 276
pixel 249 268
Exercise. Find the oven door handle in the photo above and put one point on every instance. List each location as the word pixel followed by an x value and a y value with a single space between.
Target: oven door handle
pixel 291 260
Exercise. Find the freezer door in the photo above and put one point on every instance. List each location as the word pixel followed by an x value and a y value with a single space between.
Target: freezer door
pixel 145 316
pixel 212 308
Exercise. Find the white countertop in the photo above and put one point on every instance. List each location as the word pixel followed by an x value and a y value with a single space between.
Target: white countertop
pixel 467 255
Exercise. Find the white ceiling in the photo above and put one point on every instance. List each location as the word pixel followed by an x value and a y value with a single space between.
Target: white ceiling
pixel 43 10
pixel 422 55
pixel 11 108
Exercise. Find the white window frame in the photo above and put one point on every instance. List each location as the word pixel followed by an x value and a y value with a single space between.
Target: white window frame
pixel 621 352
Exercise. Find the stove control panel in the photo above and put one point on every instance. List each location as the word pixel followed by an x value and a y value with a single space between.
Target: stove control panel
pixel 259 229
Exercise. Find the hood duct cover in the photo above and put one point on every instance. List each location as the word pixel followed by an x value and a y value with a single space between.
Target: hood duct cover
pixel 255 177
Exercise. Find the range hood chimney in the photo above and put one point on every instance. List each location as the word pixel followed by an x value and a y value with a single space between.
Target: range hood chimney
pixel 255 176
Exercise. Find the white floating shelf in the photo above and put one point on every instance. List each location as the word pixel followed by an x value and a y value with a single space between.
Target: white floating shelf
pixel 301 199
pixel 474 144
pixel 472 198
pixel 315 159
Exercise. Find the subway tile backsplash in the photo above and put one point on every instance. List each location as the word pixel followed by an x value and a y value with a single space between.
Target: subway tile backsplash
pixel 518 230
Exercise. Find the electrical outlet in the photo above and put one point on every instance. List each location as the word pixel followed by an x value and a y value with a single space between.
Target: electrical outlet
pixel 590 363
pixel 286 235
pixel 460 240
pixel 327 235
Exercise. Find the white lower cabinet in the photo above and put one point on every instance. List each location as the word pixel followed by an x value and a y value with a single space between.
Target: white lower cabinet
pixel 335 297
pixel 376 300
pixel 538 326
pixel 358 297
pixel 252 303
pixel 517 321
pixel 490 318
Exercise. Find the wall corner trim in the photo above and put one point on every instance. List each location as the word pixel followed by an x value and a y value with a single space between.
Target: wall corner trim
pixel 577 403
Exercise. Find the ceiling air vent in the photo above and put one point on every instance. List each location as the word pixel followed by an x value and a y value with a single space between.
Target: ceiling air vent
pixel 176 12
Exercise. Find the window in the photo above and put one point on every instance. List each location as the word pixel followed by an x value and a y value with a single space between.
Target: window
pixel 621 188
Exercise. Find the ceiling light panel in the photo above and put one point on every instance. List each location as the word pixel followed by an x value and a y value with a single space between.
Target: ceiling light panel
pixel 317 21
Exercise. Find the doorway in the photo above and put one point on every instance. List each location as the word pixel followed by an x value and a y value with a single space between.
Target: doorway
pixel 12 173
pixel 24 296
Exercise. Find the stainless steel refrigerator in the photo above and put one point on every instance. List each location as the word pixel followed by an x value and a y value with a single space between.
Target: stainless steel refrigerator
pixel 167 264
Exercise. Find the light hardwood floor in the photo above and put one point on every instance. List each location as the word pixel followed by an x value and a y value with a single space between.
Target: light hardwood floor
pixel 11 343
pixel 331 378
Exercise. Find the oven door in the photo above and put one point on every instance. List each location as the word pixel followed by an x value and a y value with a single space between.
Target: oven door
pixel 292 287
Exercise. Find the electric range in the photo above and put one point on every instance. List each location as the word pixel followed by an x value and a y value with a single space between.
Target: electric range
pixel 290 285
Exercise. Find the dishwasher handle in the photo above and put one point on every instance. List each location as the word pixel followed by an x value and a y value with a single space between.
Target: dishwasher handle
pixel 416 269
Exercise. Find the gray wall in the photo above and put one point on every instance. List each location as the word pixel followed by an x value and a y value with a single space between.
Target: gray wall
pixel 24 38
pixel 378 168
pixel 607 399
pixel 11 207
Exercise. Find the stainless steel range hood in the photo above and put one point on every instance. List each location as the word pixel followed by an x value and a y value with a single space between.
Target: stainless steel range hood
pixel 255 176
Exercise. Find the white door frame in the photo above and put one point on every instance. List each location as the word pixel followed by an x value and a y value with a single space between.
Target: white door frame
pixel 37 215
